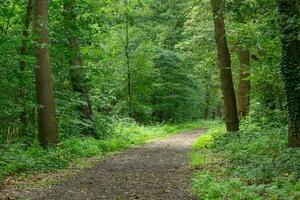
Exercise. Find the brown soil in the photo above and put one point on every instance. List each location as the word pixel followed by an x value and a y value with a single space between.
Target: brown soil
pixel 156 171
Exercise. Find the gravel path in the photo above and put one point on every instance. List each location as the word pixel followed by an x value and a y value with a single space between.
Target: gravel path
pixel 156 171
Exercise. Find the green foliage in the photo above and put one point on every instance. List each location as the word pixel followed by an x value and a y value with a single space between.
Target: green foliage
pixel 177 94
pixel 252 164
pixel 172 57
pixel 174 79
pixel 208 139
pixel 208 187
pixel 27 157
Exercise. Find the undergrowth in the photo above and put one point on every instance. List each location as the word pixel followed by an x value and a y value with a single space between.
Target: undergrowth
pixel 253 164
pixel 22 157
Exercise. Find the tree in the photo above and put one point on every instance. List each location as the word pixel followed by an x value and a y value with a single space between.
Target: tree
pixel 44 86
pixel 243 98
pixel 240 16
pixel 77 74
pixel 290 65
pixel 130 30
pixel 127 55
pixel 231 118
pixel 23 63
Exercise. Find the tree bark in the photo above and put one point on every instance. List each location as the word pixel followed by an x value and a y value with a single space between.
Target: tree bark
pixel 78 76
pixel 44 85
pixel 230 110
pixel 243 99
pixel 23 63
pixel 290 65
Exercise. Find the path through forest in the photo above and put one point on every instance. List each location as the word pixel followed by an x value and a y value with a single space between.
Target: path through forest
pixel 156 171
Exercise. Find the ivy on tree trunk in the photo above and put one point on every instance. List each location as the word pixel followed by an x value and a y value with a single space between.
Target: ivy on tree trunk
pixel 290 65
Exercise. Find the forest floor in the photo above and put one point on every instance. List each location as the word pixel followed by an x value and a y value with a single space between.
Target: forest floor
pixel 158 170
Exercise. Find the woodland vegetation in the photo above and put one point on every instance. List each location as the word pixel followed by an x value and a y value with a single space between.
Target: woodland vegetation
pixel 83 77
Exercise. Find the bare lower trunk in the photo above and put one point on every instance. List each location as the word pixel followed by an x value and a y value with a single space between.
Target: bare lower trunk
pixel 207 101
pixel 289 18
pixel 243 99
pixel 44 85
pixel 24 52
pixel 77 74
pixel 230 110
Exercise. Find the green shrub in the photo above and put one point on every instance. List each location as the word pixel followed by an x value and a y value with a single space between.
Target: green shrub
pixel 26 157
pixel 207 186
pixel 252 164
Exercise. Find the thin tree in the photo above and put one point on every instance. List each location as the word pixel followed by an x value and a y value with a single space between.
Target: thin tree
pixel 244 85
pixel 290 64
pixel 23 63
pixel 44 86
pixel 230 110
pixel 207 95
pixel 128 65
pixel 78 76
pixel 243 96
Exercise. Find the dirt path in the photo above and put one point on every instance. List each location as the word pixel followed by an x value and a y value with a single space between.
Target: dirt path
pixel 157 171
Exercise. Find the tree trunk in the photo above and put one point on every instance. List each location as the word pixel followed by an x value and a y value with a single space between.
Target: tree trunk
pixel 78 76
pixel 23 53
pixel 243 99
pixel 231 118
pixel 44 85
pixel 207 100
pixel 127 55
pixel 289 18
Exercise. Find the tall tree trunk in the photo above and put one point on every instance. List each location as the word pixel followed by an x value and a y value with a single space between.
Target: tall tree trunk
pixel 78 76
pixel 243 99
pixel 289 19
pixel 231 118
pixel 23 53
pixel 44 85
pixel 127 55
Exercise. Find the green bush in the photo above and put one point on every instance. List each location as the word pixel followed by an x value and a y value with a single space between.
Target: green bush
pixel 23 157
pixel 207 186
pixel 252 164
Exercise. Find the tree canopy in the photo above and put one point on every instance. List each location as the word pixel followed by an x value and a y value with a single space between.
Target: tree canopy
pixel 80 68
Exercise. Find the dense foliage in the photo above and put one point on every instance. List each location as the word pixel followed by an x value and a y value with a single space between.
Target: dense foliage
pixel 24 158
pixel 166 84
pixel 174 76
pixel 123 68
pixel 256 164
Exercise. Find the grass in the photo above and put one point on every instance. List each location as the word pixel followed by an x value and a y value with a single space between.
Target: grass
pixel 26 158
pixel 254 164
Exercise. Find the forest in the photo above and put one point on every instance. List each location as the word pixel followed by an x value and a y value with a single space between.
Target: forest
pixel 202 94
